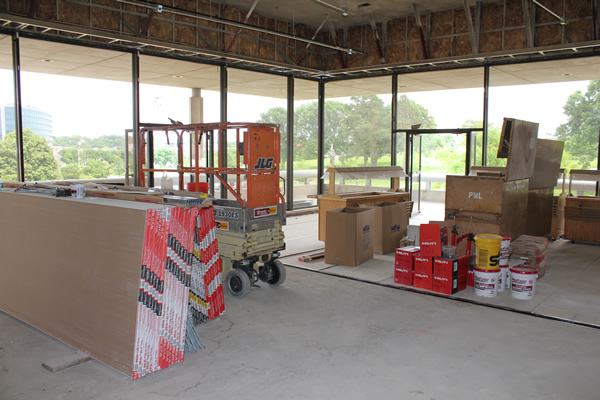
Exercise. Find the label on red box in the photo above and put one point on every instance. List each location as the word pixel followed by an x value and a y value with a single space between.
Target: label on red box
pixel 423 265
pixel 444 284
pixel 423 281
pixel 431 240
pixel 405 256
pixel 403 276
pixel 445 267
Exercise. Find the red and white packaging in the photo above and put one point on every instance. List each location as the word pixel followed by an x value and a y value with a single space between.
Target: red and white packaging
pixel 423 264
pixel 431 240
pixel 403 275
pixel 423 280
pixel 405 256
pixel 445 284
pixel 447 267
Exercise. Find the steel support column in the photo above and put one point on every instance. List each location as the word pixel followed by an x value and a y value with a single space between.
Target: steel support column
pixel 486 89
pixel 320 136
pixel 223 134
pixel 394 123
pixel 289 174
pixel 16 58
pixel 135 90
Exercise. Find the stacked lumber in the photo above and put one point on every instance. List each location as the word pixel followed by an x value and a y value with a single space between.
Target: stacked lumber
pixel 114 279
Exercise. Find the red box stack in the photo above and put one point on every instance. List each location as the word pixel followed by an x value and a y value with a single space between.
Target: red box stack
pixel 423 272
pixel 450 275
pixel 404 264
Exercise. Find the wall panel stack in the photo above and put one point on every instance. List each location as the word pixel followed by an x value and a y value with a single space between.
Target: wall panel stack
pixel 111 278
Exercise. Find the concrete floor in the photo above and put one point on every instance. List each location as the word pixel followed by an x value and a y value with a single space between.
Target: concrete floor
pixel 321 336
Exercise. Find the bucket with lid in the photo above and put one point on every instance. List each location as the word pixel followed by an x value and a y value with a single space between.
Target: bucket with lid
pixel 486 282
pixel 488 250
pixel 522 282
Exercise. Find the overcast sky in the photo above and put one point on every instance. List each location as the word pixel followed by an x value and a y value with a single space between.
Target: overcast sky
pixel 74 104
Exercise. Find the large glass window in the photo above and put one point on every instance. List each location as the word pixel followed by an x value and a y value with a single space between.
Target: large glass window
pixel 76 105
pixel 438 100
pixel 562 97
pixel 306 131
pixel 177 92
pixel 358 129
pixel 8 153
pixel 257 97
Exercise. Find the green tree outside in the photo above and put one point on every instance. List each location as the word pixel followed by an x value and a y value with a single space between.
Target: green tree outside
pixel 39 162
pixel 580 132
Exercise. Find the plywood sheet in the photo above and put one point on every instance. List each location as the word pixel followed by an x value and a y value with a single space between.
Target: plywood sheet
pixel 521 150
pixel 546 167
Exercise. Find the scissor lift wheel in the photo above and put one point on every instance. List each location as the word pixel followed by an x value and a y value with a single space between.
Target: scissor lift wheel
pixel 277 274
pixel 238 282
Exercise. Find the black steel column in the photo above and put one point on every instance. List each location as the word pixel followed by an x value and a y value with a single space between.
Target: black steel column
pixel 289 176
pixel 150 157
pixel 320 136
pixel 408 162
pixel 484 139
pixel 598 166
pixel 394 140
pixel 223 133
pixel 468 154
pixel 135 80
pixel 16 53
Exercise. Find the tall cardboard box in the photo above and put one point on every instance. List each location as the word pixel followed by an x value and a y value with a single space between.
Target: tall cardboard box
pixel 389 225
pixel 349 236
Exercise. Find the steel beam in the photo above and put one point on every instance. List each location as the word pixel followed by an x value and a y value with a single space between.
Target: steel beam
pixel 289 175
pixel 424 40
pixel 223 134
pixel 135 89
pixel 16 58
pixel 376 38
pixel 320 136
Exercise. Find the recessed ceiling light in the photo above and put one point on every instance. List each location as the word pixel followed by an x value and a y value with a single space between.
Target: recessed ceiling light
pixel 178 76
pixel 47 60
pixel 567 74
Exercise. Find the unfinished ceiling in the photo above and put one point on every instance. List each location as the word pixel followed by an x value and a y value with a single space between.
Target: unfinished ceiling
pixel 342 13
pixel 504 35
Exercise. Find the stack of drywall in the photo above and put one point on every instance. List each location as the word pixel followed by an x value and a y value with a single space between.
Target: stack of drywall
pixel 206 290
pixel 164 289
pixel 71 268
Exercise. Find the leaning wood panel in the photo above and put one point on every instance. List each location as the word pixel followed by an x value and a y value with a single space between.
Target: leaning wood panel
pixel 522 150
pixel 71 269
pixel 539 212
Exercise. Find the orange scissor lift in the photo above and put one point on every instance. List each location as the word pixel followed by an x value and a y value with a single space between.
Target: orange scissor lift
pixel 249 225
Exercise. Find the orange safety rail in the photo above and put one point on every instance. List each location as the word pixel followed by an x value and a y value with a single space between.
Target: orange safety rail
pixel 257 158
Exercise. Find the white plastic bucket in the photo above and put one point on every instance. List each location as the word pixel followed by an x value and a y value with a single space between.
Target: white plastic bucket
pixel 504 281
pixel 486 282
pixel 77 191
pixel 522 282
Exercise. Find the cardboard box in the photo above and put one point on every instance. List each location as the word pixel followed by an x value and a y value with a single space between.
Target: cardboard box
pixel 348 236
pixel 431 240
pixel 403 275
pixel 445 284
pixel 423 264
pixel 451 267
pixel 445 267
pixel 389 225
pixel 423 281
pixel 405 256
